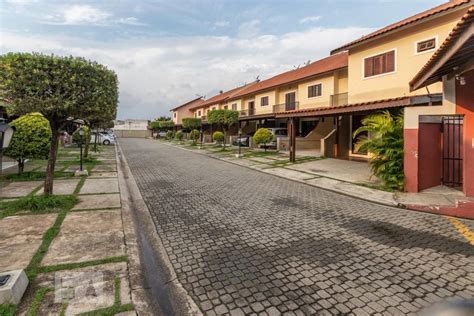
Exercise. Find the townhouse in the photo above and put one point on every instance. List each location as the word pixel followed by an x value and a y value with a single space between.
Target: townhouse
pixel 403 66
pixel 184 111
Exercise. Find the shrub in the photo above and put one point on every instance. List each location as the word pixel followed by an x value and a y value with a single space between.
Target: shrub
pixel 386 145
pixel 179 135
pixel 194 135
pixel 263 136
pixel 31 139
pixel 169 135
pixel 76 138
pixel 218 137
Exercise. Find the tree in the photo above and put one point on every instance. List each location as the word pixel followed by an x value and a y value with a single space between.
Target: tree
pixel 191 123
pixel 263 136
pixel 31 139
pixel 179 135
pixel 218 137
pixel 194 136
pixel 385 143
pixel 166 125
pixel 76 137
pixel 223 119
pixel 60 88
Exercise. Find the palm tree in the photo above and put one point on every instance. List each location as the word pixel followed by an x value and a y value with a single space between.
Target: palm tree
pixel 385 143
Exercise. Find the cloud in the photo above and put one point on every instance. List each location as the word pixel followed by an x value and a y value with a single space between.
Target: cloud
pixel 130 21
pixel 221 23
pixel 158 73
pixel 310 19
pixel 249 28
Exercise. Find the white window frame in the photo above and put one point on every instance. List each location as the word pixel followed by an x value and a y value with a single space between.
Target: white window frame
pixel 314 84
pixel 264 96
pixel 384 74
pixel 415 45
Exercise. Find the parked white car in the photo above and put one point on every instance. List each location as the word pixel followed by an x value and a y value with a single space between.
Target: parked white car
pixel 277 132
pixel 104 138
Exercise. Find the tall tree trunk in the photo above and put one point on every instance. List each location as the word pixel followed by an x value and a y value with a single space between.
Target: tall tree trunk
pixel 225 135
pixel 95 140
pixel 53 151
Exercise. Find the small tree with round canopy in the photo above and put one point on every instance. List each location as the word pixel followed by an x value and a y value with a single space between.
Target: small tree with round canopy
pixel 263 136
pixel 60 88
pixel 223 119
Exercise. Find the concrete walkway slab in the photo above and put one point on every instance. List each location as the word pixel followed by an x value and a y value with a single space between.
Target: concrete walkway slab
pixel 105 168
pixel 344 170
pixel 99 175
pixel 287 173
pixel 18 189
pixel 99 201
pixel 63 187
pixel 84 290
pixel 86 236
pixel 20 237
pixel 97 186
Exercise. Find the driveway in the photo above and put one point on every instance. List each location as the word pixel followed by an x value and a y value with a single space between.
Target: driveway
pixel 242 241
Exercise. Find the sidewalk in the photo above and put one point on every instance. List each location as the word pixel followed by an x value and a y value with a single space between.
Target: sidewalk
pixel 79 259
pixel 349 178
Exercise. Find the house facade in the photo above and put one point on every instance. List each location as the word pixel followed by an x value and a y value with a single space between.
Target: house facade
pixel 184 110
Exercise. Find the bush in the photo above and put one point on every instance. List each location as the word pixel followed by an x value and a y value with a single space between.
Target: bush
pixel 76 138
pixel 169 135
pixel 179 135
pixel 386 146
pixel 263 136
pixel 194 135
pixel 218 137
pixel 31 139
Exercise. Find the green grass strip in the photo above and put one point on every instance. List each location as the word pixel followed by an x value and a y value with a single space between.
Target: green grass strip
pixel 33 268
pixel 62 312
pixel 80 185
pixel 77 265
pixel 38 204
pixel 7 309
pixel 109 311
pixel 36 304
pixel 117 293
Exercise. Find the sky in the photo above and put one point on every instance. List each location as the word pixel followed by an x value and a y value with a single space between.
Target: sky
pixel 167 52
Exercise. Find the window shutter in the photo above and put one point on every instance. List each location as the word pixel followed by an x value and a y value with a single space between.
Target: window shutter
pixel 369 69
pixel 391 61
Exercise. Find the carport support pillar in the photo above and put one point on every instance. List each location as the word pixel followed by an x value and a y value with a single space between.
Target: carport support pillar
pixel 292 139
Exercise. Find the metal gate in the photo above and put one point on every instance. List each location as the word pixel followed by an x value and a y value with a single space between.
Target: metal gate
pixel 452 150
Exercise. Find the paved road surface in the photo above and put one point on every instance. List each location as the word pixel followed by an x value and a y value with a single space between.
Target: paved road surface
pixel 242 241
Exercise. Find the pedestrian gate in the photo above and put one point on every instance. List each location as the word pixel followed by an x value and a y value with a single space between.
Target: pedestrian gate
pixel 452 150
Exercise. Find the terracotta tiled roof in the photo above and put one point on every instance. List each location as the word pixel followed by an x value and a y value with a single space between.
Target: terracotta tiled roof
pixel 466 21
pixel 346 108
pixel 221 97
pixel 415 18
pixel 198 101
pixel 321 66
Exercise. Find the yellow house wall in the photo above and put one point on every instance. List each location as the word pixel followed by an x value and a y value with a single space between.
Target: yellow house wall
pixel 407 61
pixel 341 81
pixel 280 97
pixel 327 90
pixel 259 109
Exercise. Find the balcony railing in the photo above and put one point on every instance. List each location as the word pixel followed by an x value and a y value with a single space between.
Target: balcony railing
pixel 339 99
pixel 286 107
pixel 247 112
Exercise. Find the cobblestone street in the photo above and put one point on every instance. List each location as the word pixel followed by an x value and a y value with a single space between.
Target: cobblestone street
pixel 242 241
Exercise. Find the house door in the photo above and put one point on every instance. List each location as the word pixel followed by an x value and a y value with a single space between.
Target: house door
pixel 356 122
pixel 252 108
pixel 452 150
pixel 290 101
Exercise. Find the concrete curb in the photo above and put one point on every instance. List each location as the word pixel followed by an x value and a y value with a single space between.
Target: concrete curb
pixel 156 282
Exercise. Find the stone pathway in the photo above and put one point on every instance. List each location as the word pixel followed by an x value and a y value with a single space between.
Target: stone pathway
pixel 85 266
pixel 245 242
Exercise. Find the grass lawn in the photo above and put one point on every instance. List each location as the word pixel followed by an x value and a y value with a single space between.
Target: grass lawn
pixel 37 204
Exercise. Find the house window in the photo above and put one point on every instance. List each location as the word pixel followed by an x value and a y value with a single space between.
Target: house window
pixel 379 64
pixel 263 101
pixel 174 114
pixel 199 113
pixel 234 106
pixel 195 114
pixel 214 108
pixel 426 45
pixel 225 107
pixel 315 90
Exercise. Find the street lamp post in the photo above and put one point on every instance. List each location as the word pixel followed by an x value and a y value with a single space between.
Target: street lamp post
pixel 239 140
pixel 6 134
pixel 81 134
